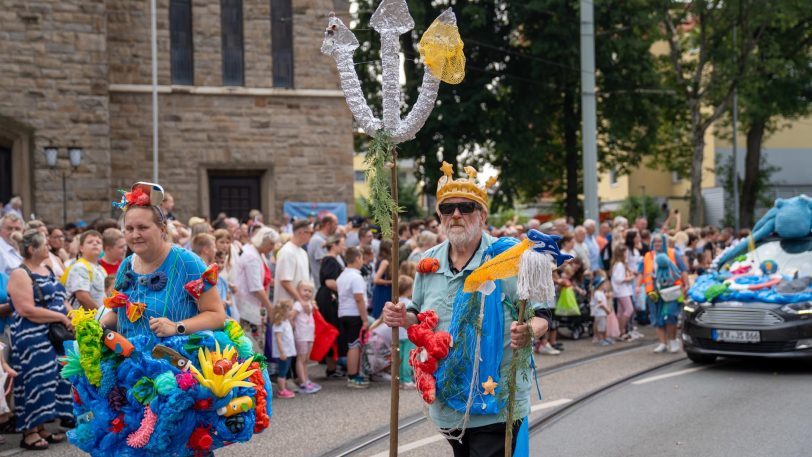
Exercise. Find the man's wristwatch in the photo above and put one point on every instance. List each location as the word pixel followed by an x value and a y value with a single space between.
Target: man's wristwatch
pixel 180 328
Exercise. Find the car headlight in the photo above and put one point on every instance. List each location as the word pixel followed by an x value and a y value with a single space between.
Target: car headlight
pixel 798 308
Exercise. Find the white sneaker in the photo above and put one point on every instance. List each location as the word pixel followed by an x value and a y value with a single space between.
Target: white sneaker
pixel 673 346
pixel 549 350
pixel 660 348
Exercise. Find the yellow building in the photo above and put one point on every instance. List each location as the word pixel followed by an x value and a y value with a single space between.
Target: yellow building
pixel 663 185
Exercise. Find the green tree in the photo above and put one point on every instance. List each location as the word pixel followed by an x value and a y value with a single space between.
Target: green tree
pixel 703 70
pixel 637 206
pixel 519 105
pixel 776 87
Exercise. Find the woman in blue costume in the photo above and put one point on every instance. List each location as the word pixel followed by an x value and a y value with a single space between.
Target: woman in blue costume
pixel 37 299
pixel 156 273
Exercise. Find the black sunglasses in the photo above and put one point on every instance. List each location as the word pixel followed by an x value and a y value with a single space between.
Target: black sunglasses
pixel 447 209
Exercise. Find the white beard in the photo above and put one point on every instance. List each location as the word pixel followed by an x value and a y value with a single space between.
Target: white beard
pixel 459 239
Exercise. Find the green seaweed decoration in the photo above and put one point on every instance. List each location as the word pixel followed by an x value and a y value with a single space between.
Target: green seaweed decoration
pixel 519 364
pixel 378 160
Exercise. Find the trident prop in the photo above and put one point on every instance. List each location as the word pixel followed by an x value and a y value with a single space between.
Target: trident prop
pixel 441 50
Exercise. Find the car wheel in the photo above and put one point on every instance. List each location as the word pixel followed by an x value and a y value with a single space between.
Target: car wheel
pixel 701 358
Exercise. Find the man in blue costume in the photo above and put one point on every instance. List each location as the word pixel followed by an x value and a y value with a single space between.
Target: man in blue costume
pixel 470 404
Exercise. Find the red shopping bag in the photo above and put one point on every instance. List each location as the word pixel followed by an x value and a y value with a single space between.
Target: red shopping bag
pixel 325 338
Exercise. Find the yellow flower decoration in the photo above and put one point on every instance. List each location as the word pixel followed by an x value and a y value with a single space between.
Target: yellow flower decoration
pixel 221 385
pixel 441 50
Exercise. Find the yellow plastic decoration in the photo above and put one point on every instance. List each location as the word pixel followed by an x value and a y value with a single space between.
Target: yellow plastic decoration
pixel 221 385
pixel 77 316
pixel 502 266
pixel 441 49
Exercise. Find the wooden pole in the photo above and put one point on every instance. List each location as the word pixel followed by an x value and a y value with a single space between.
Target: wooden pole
pixel 394 370
pixel 512 391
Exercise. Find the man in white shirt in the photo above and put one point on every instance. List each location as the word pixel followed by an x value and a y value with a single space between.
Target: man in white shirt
pixel 10 257
pixel 352 315
pixel 292 264
pixel 315 247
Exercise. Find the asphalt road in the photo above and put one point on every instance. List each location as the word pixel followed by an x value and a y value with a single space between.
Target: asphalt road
pixel 311 426
pixel 741 408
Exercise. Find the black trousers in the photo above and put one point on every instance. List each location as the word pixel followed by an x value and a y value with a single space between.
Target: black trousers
pixel 485 441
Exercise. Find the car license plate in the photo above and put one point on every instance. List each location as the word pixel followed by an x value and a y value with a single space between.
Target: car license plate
pixel 736 336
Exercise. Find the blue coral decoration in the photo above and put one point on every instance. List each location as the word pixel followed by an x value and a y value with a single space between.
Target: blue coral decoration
pixel 157 408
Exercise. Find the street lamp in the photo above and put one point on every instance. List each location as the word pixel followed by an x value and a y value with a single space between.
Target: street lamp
pixel 75 159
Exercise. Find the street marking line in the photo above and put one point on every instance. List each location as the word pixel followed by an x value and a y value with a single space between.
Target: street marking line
pixel 549 404
pixel 435 438
pixel 668 375
pixel 412 445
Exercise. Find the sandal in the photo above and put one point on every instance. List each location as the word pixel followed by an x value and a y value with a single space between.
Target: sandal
pixel 52 438
pixel 38 445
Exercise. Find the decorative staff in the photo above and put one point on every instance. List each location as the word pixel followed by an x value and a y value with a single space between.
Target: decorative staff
pixel 441 50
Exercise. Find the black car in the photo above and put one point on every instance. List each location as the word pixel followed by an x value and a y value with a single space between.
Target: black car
pixel 755 329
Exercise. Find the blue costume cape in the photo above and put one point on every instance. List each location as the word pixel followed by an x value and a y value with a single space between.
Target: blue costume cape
pixel 455 371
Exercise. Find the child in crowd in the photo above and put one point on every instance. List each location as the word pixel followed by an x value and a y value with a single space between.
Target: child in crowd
pixel 284 347
pixel 225 288
pixel 405 285
pixel 600 309
pixel 408 268
pixel 352 316
pixel 205 246
pixel 368 270
pixel 303 334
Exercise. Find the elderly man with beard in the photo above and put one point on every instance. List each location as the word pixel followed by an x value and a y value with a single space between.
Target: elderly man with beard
pixel 463 209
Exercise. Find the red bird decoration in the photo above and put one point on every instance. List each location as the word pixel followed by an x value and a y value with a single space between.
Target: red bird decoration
pixel 431 348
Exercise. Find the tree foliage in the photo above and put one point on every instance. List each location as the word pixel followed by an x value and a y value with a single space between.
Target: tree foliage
pixel 519 105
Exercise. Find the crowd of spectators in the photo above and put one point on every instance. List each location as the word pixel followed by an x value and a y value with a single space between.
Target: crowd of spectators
pixel 279 280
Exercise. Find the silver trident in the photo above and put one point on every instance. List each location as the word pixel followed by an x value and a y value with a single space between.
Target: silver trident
pixel 390 20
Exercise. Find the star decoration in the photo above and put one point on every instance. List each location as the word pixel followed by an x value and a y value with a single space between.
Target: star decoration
pixel 471 172
pixel 447 169
pixel 489 386
pixel 491 181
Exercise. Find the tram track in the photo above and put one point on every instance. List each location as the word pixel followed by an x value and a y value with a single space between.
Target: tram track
pixel 369 440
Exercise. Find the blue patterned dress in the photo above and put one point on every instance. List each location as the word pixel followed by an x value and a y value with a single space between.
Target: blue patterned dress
pixel 40 394
pixel 162 290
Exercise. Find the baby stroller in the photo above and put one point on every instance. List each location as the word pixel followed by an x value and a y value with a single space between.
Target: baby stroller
pixel 577 323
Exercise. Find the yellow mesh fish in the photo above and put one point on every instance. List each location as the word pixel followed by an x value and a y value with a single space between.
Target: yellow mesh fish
pixel 441 49
pixel 502 266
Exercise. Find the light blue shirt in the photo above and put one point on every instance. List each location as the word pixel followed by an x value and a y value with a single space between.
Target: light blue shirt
pixel 436 291
pixel 10 258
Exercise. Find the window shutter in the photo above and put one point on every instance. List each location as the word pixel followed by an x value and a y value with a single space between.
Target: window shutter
pixel 282 42
pixel 232 27
pixel 180 31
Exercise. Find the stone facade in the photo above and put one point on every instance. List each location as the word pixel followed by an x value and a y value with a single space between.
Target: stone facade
pixel 80 71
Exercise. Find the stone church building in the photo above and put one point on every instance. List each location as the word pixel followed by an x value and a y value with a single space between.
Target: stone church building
pixel 250 114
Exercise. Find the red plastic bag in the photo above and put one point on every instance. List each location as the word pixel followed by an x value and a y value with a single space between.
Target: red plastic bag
pixel 612 326
pixel 325 338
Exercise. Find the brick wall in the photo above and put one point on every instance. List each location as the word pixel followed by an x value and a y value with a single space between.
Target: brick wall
pixel 306 142
pixel 53 79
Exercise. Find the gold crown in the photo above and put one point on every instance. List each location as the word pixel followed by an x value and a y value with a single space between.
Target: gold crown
pixel 448 187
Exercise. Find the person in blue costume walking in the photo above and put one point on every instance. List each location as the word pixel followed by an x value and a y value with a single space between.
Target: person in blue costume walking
pixel 475 425
pixel 156 273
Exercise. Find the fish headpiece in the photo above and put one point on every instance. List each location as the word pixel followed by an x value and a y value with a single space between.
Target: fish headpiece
pixel 543 243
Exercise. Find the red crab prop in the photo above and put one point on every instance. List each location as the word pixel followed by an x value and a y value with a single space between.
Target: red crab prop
pixel 431 348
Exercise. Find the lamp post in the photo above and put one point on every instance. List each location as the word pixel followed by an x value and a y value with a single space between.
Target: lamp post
pixel 75 159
